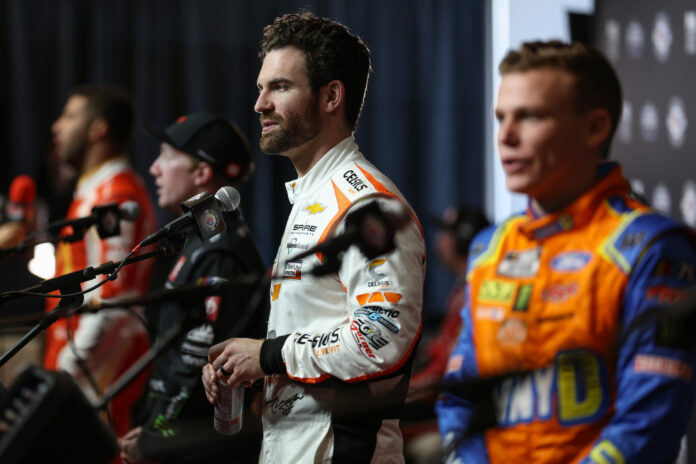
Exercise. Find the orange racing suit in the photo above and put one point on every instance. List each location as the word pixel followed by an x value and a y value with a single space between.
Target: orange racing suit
pixel 108 341
pixel 547 320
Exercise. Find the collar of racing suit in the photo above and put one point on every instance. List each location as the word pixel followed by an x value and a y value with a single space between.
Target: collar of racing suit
pixel 342 152
pixel 610 182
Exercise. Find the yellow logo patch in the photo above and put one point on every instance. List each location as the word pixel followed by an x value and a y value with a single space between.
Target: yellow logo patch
pixel 315 208
pixel 497 292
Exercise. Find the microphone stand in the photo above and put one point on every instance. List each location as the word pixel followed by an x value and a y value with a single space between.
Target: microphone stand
pixel 68 284
pixel 83 275
pixel 79 228
pixel 136 368
pixel 61 308
pixel 171 334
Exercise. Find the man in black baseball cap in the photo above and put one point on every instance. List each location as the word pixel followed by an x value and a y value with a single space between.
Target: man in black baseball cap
pixel 200 152
pixel 207 137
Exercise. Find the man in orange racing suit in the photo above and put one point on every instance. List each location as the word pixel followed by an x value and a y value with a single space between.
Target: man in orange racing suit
pixel 92 135
pixel 556 293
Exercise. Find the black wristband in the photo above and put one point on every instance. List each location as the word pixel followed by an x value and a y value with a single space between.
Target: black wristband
pixel 271 356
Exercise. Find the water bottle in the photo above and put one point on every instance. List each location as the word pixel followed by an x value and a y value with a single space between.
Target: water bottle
pixel 228 408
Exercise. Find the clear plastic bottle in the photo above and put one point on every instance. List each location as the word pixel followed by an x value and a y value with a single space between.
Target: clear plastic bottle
pixel 229 408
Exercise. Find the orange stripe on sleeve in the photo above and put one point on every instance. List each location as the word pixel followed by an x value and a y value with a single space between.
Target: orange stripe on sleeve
pixel 382 189
pixel 343 204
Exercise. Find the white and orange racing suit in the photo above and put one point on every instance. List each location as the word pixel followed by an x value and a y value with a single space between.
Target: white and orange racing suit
pixel 340 345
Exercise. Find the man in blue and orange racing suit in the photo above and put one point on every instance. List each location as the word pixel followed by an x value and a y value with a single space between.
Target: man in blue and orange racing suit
pixel 556 294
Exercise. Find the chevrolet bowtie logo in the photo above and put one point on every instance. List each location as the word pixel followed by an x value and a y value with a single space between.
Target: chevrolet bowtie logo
pixel 315 208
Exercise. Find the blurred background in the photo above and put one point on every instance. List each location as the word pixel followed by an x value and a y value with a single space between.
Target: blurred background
pixel 427 121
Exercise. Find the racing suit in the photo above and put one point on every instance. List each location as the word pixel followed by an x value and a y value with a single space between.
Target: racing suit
pixel 107 341
pixel 340 344
pixel 176 417
pixel 552 321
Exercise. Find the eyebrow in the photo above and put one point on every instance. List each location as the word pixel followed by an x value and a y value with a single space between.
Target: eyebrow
pixel 276 81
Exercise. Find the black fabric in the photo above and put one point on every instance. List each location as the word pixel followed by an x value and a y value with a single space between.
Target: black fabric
pixel 176 416
pixel 359 409
pixel 271 356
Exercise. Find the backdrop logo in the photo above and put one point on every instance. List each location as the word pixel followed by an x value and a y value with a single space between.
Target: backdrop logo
pixel 662 36
pixel 649 122
pixel 635 40
pixel 690 32
pixel 612 35
pixel 625 125
pixel 688 203
pixel 661 199
pixel 676 122
pixel 638 187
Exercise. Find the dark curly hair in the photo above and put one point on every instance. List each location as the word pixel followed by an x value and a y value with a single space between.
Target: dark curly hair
pixel 596 82
pixel 332 52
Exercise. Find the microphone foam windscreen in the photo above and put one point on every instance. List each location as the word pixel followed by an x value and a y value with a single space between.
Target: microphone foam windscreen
pixel 22 190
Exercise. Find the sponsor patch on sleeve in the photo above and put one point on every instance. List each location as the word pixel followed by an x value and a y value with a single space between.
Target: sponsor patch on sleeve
pixel 212 307
pixel 662 365
pixel 454 363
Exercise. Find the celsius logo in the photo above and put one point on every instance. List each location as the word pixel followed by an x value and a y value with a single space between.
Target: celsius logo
pixel 373 272
pixel 354 180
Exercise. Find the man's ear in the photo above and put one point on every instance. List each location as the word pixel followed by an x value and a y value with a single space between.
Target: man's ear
pixel 332 96
pixel 203 173
pixel 599 127
pixel 98 129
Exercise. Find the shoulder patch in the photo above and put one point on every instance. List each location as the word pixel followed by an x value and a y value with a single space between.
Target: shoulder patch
pixel 485 246
pixel 625 245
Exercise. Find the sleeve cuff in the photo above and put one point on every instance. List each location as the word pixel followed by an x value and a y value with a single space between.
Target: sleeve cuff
pixel 272 355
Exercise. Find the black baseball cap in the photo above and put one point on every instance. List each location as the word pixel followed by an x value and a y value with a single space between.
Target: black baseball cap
pixel 211 138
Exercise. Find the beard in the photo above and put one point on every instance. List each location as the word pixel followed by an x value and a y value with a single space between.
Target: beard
pixel 297 128
pixel 72 151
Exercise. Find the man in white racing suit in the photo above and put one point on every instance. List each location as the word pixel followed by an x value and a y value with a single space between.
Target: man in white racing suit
pixel 336 358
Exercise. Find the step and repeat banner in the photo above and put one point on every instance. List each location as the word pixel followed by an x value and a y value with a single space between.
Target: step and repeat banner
pixel 652 44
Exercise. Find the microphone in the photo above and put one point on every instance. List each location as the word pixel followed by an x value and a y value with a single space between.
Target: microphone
pixel 371 228
pixel 21 199
pixel 204 211
pixel 106 217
